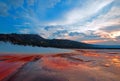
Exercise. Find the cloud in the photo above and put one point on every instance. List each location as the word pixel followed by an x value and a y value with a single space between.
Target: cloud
pixel 106 26
pixel 103 42
pixel 5 6
pixel 118 38
pixel 78 14
pixel 53 28
pixel 111 28
pixel 94 41
pixel 111 18
pixel 43 5
pixel 81 20
pixel 76 34
pixel 115 34
pixel 3 9
pixel 60 33
pixel 112 36
pixel 24 31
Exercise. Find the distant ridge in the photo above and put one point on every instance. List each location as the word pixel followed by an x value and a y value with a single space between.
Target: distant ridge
pixel 36 40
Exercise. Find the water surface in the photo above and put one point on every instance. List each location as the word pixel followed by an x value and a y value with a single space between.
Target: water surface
pixel 10 48
pixel 79 65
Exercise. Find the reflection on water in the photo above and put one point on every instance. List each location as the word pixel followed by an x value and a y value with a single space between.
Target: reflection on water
pixel 116 61
pixel 80 65
pixel 10 48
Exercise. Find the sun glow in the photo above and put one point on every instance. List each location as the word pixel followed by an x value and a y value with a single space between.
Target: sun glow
pixel 115 34
pixel 93 41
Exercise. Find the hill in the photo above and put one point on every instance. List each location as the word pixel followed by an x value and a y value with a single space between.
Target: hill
pixel 36 40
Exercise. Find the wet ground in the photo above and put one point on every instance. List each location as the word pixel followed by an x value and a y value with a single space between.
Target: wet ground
pixel 79 65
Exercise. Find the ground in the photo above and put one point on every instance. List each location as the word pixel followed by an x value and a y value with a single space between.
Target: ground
pixel 78 65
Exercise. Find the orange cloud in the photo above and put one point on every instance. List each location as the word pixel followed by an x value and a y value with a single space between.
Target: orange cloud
pixel 109 35
pixel 94 41
pixel 115 34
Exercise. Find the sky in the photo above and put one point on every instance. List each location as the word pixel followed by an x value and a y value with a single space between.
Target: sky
pixel 89 21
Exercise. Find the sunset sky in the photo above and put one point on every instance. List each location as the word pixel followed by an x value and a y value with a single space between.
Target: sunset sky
pixel 89 21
